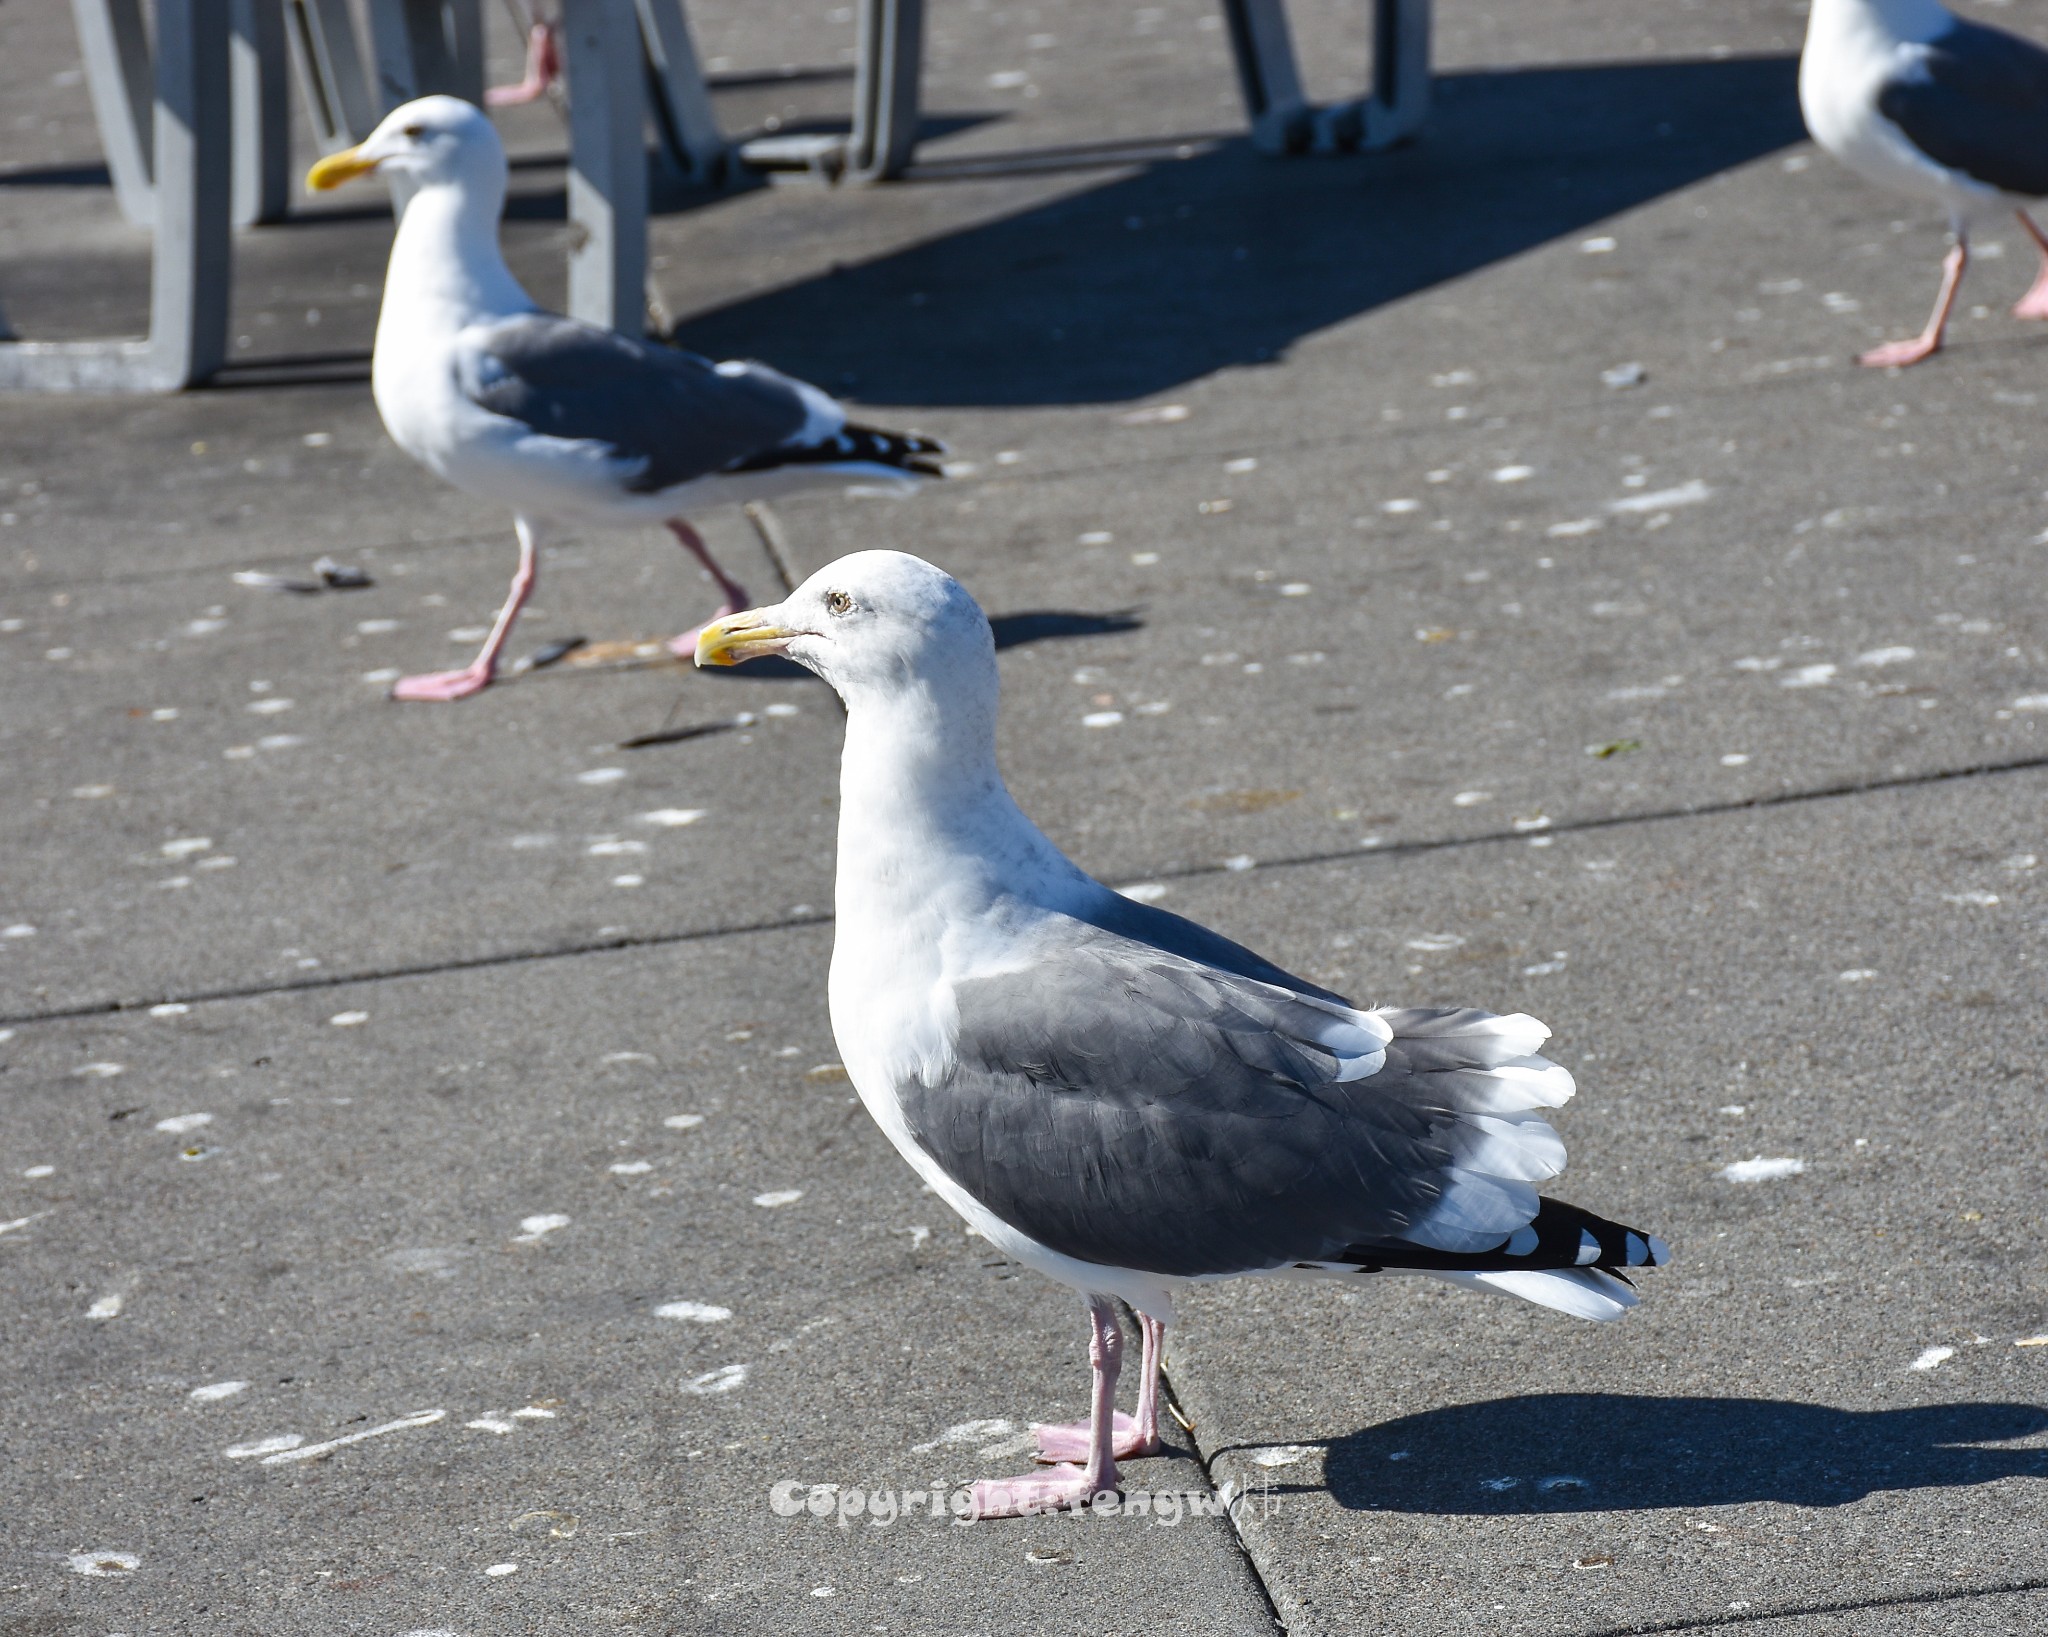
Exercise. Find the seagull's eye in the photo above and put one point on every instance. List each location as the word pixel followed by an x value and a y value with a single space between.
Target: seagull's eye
pixel 415 131
pixel 838 602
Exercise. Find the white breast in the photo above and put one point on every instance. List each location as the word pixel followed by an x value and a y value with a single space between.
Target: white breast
pixel 892 1031
pixel 415 379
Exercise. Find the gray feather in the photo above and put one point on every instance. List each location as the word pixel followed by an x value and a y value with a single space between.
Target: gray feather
pixel 677 414
pixel 1132 1107
pixel 1976 100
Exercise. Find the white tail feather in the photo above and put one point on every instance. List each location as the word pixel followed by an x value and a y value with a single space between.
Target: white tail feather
pixel 1585 1293
pixel 1486 1039
pixel 1523 1148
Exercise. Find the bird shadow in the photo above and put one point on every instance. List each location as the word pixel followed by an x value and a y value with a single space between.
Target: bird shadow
pixel 1011 631
pixel 57 176
pixel 1185 266
pixel 1548 1453
pixel 1049 624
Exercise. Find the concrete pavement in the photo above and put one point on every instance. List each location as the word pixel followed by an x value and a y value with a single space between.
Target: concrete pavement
pixel 1698 714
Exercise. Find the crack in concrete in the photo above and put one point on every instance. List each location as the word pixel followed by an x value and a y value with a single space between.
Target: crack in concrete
pixel 1187 872
pixel 1749 1617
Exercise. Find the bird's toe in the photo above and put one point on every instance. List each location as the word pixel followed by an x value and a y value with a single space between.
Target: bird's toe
pixel 1057 1490
pixel 1899 354
pixel 441 685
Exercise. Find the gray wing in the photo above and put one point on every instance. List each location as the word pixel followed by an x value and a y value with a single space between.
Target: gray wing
pixel 1132 1108
pixel 1976 100
pixel 1175 934
pixel 680 415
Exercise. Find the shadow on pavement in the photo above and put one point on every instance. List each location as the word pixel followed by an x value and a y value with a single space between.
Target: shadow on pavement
pixel 1040 624
pixel 1011 631
pixel 1614 1452
pixel 57 176
pixel 1223 258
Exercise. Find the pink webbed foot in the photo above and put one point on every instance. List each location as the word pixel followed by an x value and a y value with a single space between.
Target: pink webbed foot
pixel 2034 304
pixel 1900 354
pixel 442 685
pixel 1063 1487
pixel 685 646
pixel 1068 1440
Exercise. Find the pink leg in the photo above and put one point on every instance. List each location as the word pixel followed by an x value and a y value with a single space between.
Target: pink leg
pixel 1139 1435
pixel 543 68
pixel 1928 342
pixel 1070 1485
pixel 2034 304
pixel 477 674
pixel 1154 1356
pixel 735 593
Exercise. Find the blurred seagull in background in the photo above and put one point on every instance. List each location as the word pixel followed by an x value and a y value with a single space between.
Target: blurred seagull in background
pixel 543 59
pixel 1915 98
pixel 1117 1097
pixel 557 419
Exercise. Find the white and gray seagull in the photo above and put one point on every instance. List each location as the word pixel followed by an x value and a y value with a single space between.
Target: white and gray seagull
pixel 1914 98
pixel 560 421
pixel 1115 1096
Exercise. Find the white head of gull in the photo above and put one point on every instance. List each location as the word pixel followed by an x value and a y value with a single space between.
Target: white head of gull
pixel 559 420
pixel 1916 99
pixel 1117 1097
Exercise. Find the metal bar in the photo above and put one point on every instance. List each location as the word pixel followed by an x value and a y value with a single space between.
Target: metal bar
pixel 462 22
pixel 330 72
pixel 886 85
pixel 1267 74
pixel 189 276
pixel 115 45
pixel 691 140
pixel 1398 101
pixel 395 69
pixel 427 46
pixel 259 123
pixel 1401 78
pixel 607 164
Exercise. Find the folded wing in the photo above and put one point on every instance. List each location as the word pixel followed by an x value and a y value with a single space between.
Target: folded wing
pixel 1129 1106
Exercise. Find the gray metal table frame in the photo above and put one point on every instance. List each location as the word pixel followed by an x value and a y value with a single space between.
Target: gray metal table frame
pixel 197 138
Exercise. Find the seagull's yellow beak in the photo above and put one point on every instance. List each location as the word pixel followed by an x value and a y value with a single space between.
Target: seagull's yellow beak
pixel 741 637
pixel 338 168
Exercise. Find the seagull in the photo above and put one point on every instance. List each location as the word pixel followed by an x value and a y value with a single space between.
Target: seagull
pixel 563 421
pixel 1121 1099
pixel 543 62
pixel 1914 98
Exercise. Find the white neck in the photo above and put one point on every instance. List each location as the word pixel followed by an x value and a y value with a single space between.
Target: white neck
pixel 1910 20
pixel 445 259
pixel 925 817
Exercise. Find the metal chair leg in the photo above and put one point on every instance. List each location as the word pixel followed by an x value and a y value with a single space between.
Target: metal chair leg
pixel 1400 69
pixel 427 46
pixel 259 121
pixel 607 164
pixel 117 73
pixel 189 277
pixel 885 96
pixel 1267 75
pixel 1399 102
pixel 330 72
pixel 691 141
